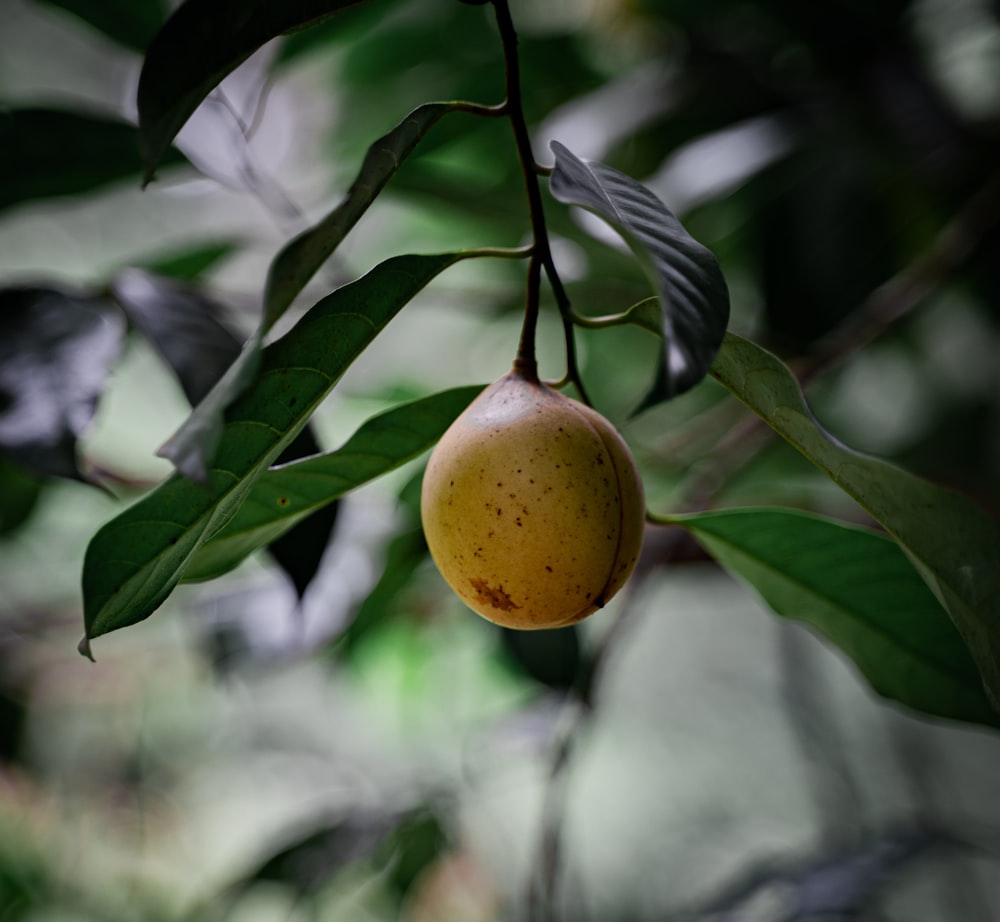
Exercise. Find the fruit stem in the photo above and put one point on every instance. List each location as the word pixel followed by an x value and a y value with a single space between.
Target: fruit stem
pixel 526 363
pixel 526 360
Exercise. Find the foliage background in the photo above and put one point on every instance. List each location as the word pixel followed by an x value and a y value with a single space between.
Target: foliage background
pixel 731 762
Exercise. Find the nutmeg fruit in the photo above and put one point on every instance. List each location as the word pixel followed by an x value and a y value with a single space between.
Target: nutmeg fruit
pixel 532 506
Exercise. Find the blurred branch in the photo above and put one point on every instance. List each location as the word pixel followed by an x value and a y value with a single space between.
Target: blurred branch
pixel 953 247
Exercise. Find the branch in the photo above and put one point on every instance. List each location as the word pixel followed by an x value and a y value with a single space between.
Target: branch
pixel 514 108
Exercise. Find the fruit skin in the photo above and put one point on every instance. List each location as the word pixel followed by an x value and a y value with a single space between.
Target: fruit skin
pixel 532 506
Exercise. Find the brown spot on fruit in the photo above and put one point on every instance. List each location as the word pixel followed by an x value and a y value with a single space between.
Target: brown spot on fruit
pixel 492 596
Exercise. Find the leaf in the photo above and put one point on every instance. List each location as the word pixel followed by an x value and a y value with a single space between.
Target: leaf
pixel 285 495
pixel 46 153
pixel 858 589
pixel 133 562
pixel 191 446
pixel 300 550
pixel 131 23
pixel 954 544
pixel 301 258
pixel 19 493
pixel 202 42
pixel 56 350
pixel 693 296
pixel 189 264
pixel 182 324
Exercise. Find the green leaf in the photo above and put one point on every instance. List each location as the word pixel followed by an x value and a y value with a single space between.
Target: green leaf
pixel 693 296
pixel 190 263
pixel 954 544
pixel 131 23
pixel 134 562
pixel 45 153
pixel 301 258
pixel 190 447
pixel 287 494
pixel 19 494
pixel 202 42
pixel 858 589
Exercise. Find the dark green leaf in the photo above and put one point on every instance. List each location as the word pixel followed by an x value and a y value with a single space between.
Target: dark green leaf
pixel 202 42
pixel 188 264
pixel 56 349
pixel 859 590
pixel 285 495
pixel 693 295
pixel 134 561
pixel 129 22
pixel 182 324
pixel 190 447
pixel 954 544
pixel 46 153
pixel 300 550
pixel 19 492
pixel 299 260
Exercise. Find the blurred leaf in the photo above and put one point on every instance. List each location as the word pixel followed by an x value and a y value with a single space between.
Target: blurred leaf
pixel 134 561
pixel 310 857
pixel 19 492
pixel 129 22
pixel 693 295
pixel 286 495
pixel 56 349
pixel 954 544
pixel 191 263
pixel 301 258
pixel 46 153
pixel 202 42
pixel 405 552
pixel 825 239
pixel 183 326
pixel 416 843
pixel 343 31
pixel 859 590
pixel 552 657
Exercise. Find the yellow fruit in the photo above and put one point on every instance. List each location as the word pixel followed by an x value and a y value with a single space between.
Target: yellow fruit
pixel 532 506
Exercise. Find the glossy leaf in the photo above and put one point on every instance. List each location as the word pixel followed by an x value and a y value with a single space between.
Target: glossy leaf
pixel 131 23
pixel 45 153
pixel 858 589
pixel 302 257
pixel 287 494
pixel 693 296
pixel 182 324
pixel 954 544
pixel 56 350
pixel 202 42
pixel 135 561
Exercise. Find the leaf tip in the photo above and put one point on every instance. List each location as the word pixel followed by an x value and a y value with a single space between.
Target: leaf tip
pixel 83 648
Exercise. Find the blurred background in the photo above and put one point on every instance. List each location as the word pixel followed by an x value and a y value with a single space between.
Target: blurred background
pixel 327 733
